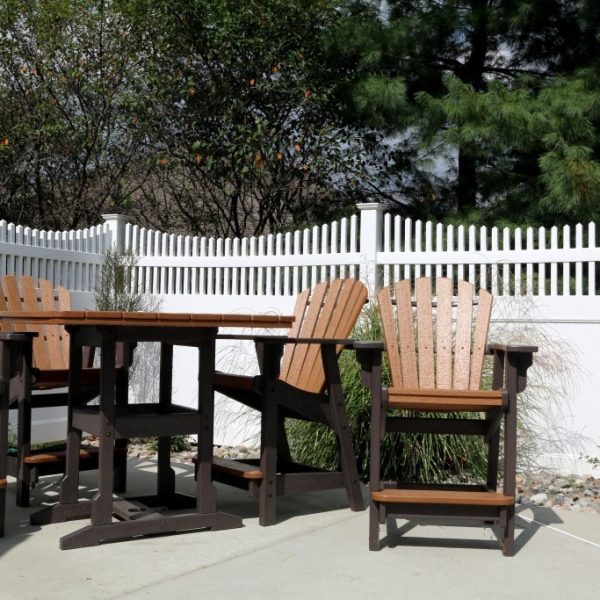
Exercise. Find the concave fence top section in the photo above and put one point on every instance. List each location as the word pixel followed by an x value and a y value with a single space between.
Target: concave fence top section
pixel 375 247
pixel 71 259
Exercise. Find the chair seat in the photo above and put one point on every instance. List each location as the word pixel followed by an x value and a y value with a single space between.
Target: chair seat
pixel 456 498
pixel 437 400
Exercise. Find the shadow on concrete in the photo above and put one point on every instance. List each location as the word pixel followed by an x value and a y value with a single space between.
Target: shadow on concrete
pixel 141 481
pixel 525 530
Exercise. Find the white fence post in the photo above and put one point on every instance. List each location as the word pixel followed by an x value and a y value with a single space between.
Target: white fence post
pixel 371 229
pixel 115 225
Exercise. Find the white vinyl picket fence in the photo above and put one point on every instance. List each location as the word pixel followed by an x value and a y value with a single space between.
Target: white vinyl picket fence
pixel 544 281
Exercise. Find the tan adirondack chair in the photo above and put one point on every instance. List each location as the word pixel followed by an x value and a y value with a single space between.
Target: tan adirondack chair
pixel 47 371
pixel 307 386
pixel 436 349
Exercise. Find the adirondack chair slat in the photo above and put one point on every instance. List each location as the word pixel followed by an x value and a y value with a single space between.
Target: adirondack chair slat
pixel 311 317
pixel 390 335
pixel 312 376
pixel 13 299
pixel 3 307
pixel 444 333
pixel 425 333
pixel 406 334
pixel 288 353
pixel 462 356
pixel 30 302
pixel 64 303
pixel 484 313
pixel 52 333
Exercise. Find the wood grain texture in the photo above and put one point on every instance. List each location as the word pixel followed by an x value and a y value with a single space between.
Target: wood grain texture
pixel 443 325
pixel 52 332
pixel 307 329
pixel 462 347
pixel 425 332
pixel 63 304
pixel 406 334
pixel 484 313
pixel 332 313
pixel 288 352
pixel 456 498
pixel 390 335
pixel 444 400
pixel 41 360
pixel 312 376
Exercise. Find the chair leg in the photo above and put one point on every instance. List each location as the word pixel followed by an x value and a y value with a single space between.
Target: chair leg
pixel 23 442
pixel 508 532
pixel 2 506
pixel 374 520
pixel 283 447
pixel 120 482
pixel 23 490
pixel 340 425
pixel 267 495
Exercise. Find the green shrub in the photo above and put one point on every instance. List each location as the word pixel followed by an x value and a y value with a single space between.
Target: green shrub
pixel 408 457
pixel 114 289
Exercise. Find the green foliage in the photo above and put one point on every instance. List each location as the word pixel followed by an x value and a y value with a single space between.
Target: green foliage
pixel 68 145
pixel 500 113
pixel 246 136
pixel 414 457
pixel 114 290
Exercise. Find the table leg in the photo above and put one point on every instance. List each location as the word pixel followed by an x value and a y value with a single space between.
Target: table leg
pixel 268 444
pixel 166 475
pixel 70 482
pixel 102 501
pixel 206 497
pixel 4 393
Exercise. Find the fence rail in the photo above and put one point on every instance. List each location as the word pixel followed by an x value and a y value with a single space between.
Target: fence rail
pixel 375 247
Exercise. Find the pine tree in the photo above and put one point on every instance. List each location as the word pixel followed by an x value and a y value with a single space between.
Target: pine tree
pixel 494 104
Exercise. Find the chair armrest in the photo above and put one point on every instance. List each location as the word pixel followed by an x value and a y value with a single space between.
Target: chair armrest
pixel 11 336
pixel 284 339
pixel 369 355
pixel 494 347
pixel 511 363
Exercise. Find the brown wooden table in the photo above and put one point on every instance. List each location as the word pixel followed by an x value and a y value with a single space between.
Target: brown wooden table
pixel 114 419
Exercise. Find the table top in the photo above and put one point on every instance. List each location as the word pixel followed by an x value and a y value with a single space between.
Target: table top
pixel 152 319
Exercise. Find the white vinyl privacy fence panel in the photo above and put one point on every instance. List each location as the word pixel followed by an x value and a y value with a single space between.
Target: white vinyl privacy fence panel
pixel 544 280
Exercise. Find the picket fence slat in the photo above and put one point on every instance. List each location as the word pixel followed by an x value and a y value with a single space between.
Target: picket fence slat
pixel 511 262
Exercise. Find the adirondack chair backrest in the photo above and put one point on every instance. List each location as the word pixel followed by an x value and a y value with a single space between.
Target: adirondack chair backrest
pixel 331 311
pixel 51 346
pixel 432 344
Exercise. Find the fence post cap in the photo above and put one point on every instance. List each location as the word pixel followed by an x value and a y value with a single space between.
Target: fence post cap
pixel 372 206
pixel 116 217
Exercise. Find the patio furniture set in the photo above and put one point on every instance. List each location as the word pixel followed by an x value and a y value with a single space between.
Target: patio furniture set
pixel 435 350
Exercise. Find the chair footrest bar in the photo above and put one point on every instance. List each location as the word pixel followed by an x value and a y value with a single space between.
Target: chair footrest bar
pixel 237 468
pixel 446 497
pixel 59 456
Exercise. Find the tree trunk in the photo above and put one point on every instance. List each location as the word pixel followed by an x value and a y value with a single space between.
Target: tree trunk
pixel 472 73
pixel 466 189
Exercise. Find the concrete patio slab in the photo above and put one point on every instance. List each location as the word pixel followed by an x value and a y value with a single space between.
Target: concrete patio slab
pixel 317 550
